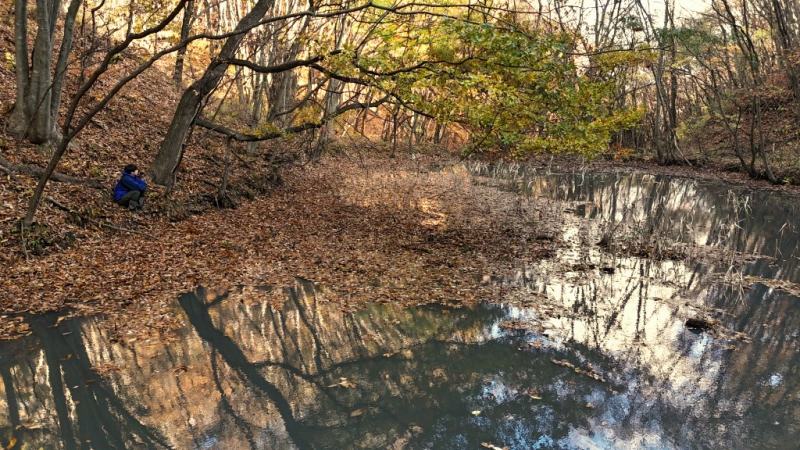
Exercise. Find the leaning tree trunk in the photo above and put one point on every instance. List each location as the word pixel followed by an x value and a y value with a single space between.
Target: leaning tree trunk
pixel 63 59
pixel 171 150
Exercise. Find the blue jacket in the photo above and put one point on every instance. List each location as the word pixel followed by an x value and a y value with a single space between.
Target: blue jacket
pixel 128 182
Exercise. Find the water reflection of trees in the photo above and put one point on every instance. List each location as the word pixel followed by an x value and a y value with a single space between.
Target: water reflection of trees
pixel 715 397
pixel 245 374
pixel 692 387
pixel 709 388
pixel 685 210
pixel 79 407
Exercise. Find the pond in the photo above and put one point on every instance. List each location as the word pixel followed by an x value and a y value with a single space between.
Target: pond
pixel 669 319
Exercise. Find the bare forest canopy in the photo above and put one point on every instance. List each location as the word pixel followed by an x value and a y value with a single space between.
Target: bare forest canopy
pixel 597 77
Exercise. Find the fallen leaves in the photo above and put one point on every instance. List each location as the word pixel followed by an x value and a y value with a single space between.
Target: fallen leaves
pixel 532 394
pixel 492 446
pixel 339 224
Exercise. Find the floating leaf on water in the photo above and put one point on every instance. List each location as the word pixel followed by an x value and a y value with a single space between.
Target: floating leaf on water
pixel 492 446
pixel 345 383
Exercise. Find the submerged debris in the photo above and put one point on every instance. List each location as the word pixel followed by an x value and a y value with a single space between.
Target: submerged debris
pixel 699 325
pixel 589 372
pixel 515 325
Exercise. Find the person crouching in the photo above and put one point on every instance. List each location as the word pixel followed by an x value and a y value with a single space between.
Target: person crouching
pixel 130 189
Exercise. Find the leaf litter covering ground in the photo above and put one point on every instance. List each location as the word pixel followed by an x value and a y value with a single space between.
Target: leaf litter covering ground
pixel 382 230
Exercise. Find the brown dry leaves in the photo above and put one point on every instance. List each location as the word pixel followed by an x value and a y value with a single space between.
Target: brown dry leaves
pixel 383 231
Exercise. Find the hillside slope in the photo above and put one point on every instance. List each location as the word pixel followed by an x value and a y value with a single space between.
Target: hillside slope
pixel 128 131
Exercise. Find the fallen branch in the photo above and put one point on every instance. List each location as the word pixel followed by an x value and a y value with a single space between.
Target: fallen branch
pixel 7 171
pixel 101 223
pixel 36 171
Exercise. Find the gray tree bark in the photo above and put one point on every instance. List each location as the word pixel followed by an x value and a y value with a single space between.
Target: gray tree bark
pixel 63 59
pixel 283 86
pixel 334 95
pixel 38 91
pixel 18 122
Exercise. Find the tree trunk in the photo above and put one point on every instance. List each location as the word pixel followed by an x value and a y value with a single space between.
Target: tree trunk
pixel 18 122
pixel 38 95
pixel 63 58
pixel 332 100
pixel 259 83
pixel 40 130
pixel 281 95
pixel 171 150
pixel 786 37
pixel 283 86
pixel 334 94
pixel 186 26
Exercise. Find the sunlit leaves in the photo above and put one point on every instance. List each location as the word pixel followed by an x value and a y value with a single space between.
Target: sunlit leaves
pixel 515 89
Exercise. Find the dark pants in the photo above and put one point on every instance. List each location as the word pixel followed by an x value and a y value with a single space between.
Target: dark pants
pixel 132 200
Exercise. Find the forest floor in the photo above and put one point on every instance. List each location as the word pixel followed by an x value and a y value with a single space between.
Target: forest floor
pixel 397 230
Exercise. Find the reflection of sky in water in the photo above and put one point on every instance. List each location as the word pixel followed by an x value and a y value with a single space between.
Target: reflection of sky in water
pixel 636 314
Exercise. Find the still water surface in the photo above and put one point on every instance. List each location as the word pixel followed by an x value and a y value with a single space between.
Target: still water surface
pixel 589 350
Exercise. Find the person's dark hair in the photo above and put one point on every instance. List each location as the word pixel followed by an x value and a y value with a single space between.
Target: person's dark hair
pixel 130 168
